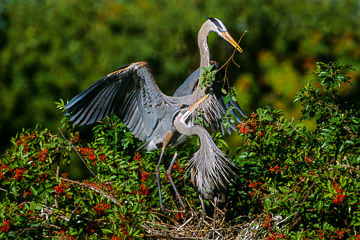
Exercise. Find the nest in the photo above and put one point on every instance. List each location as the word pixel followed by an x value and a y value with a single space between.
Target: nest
pixel 191 226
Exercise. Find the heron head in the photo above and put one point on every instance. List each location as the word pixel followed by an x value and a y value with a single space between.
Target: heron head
pixel 217 26
pixel 186 112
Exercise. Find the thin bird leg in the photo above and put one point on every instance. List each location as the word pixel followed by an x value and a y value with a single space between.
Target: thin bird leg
pixel 168 173
pixel 157 170
pixel 203 214
pixel 215 215
pixel 216 198
pixel 157 173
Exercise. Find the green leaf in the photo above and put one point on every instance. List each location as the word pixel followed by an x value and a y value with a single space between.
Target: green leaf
pixel 106 231
pixel 14 191
pixel 227 98
pixel 34 191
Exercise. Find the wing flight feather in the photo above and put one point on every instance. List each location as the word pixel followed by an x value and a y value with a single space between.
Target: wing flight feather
pixel 130 92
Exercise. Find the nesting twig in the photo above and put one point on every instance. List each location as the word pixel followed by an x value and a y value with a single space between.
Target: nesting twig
pixel 211 228
pixel 231 58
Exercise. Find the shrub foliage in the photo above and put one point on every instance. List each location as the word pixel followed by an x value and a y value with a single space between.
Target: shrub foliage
pixel 293 183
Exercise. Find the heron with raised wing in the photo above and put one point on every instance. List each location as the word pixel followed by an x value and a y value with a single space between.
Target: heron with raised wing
pixel 131 93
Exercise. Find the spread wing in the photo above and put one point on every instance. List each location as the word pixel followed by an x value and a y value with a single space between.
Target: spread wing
pixel 131 93
pixel 188 86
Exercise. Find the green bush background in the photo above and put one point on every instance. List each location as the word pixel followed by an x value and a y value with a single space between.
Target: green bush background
pixel 55 49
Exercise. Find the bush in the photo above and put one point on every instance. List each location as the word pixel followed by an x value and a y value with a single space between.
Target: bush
pixel 292 182
pixel 301 183
pixel 38 198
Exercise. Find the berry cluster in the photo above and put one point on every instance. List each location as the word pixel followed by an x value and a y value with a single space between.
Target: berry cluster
pixel 42 155
pixel 62 189
pixel 254 125
pixel 339 197
pixel 5 227
pixel 101 207
pixel 90 155
pixel 255 186
pixel 142 188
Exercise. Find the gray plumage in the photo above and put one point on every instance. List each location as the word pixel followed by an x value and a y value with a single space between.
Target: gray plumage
pixel 131 93
pixel 210 169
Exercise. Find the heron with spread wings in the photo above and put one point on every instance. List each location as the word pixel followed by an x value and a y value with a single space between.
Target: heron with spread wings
pixel 159 120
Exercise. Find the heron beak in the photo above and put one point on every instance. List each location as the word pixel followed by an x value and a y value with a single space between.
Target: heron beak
pixel 193 107
pixel 228 38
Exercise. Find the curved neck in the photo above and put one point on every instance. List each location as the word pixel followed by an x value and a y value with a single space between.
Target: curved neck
pixel 203 46
pixel 191 130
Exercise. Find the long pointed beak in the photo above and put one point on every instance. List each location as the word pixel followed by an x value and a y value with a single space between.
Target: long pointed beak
pixel 193 107
pixel 228 38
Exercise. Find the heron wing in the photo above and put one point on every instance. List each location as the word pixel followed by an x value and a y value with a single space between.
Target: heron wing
pixel 214 111
pixel 129 92
pixel 188 86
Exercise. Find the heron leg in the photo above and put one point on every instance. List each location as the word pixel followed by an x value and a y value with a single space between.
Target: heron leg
pixel 157 170
pixel 215 215
pixel 215 206
pixel 203 215
pixel 157 174
pixel 168 173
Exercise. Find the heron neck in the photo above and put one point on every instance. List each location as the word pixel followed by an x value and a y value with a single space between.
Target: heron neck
pixel 203 47
pixel 191 131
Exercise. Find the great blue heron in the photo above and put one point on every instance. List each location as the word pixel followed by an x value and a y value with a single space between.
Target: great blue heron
pixel 210 168
pixel 191 84
pixel 210 25
pixel 131 93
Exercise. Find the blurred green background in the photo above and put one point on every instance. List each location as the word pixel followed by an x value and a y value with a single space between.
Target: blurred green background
pixel 54 49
